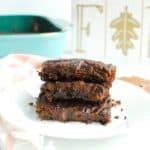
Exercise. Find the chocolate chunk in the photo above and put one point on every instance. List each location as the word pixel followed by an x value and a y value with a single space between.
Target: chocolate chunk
pixel 42 98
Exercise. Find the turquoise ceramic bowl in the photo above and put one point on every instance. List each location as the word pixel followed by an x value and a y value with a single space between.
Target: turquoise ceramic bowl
pixel 28 34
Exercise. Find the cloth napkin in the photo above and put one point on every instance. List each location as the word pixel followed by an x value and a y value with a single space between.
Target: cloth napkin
pixel 13 69
pixel 138 81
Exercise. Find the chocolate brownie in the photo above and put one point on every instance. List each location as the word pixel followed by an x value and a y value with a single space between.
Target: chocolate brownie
pixel 82 111
pixel 74 90
pixel 78 69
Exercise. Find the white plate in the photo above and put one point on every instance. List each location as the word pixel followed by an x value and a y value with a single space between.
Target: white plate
pixel 15 108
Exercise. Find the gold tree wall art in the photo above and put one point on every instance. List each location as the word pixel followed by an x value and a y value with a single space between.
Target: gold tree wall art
pixel 124 33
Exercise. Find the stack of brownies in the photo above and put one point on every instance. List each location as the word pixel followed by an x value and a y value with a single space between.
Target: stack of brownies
pixel 75 90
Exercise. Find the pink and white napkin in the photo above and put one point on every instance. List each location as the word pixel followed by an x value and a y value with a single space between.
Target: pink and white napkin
pixel 14 69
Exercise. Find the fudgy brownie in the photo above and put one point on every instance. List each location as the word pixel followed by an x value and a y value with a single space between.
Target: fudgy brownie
pixel 78 69
pixel 74 90
pixel 82 111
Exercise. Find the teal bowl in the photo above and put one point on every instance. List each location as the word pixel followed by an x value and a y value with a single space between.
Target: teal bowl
pixel 30 34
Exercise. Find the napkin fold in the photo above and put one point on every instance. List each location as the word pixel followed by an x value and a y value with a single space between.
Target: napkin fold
pixel 15 68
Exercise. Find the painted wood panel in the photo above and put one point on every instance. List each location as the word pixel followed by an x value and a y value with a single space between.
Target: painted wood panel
pixel 112 29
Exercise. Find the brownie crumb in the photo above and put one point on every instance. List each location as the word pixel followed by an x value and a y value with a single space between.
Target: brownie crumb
pixel 140 85
pixel 125 117
pixel 31 104
pixel 121 109
pixel 116 117
pixel 115 103
pixel 118 102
